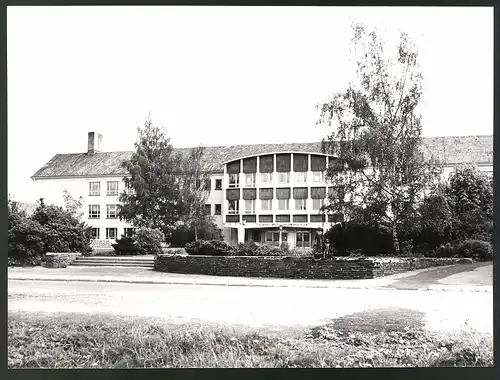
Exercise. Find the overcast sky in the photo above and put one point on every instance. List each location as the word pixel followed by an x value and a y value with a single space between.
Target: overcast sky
pixel 219 75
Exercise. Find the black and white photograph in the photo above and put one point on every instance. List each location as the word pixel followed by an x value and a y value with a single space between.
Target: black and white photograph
pixel 249 187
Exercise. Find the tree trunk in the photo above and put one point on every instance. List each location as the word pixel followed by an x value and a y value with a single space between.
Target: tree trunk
pixel 395 239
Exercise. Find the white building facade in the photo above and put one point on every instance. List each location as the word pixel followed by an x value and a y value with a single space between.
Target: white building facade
pixel 267 193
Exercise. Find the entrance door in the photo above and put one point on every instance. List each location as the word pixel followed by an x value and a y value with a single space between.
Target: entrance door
pixel 303 239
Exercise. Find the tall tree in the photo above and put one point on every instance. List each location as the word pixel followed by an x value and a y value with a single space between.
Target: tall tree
pixel 166 183
pixel 377 135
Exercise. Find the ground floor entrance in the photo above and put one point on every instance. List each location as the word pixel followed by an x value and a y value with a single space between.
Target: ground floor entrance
pixel 293 237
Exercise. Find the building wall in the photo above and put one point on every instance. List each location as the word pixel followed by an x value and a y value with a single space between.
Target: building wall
pixel 52 192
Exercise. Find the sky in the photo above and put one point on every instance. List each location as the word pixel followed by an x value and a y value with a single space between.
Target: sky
pixel 219 75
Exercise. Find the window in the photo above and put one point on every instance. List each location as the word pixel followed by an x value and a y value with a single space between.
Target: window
pixel 111 211
pixel 300 204
pixel 234 207
pixel 208 184
pixel 94 234
pixel 284 177
pixel 94 188
pixel 266 204
pixel 250 180
pixel 94 211
pixel 112 188
pixel 318 203
pixel 129 188
pixel 218 209
pixel 303 240
pixel 111 233
pixel 266 177
pixel 283 204
pixel 234 180
pixel 129 232
pixel 208 209
pixel 300 177
pixel 274 237
pixel 218 184
pixel 318 177
pixel 250 206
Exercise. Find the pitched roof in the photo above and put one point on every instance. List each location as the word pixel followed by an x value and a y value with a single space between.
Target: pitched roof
pixel 449 150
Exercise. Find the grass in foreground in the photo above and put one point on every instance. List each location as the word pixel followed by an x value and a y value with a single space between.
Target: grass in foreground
pixel 98 341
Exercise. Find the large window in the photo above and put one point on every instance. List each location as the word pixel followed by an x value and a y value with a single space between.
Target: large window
pixel 250 180
pixel 303 240
pixel 274 237
pixel 94 211
pixel 94 188
pixel 266 204
pixel 283 204
pixel 111 211
pixel 112 188
pixel 317 204
pixel 233 207
pixel 300 177
pixel 300 204
pixel 94 233
pixel 111 233
pixel 266 178
pixel 250 206
pixel 218 209
pixel 218 184
pixel 129 188
pixel 129 232
pixel 234 180
pixel 283 177
pixel 318 176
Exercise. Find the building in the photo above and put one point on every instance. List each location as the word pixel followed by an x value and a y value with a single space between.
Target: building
pixel 268 193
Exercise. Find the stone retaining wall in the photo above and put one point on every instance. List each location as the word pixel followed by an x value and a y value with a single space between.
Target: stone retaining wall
pixel 294 267
pixel 59 260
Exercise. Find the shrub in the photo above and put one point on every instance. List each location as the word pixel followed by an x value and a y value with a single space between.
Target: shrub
pixel 272 250
pixel 127 246
pixel 476 249
pixel 247 249
pixel 209 247
pixel 149 241
pixel 446 251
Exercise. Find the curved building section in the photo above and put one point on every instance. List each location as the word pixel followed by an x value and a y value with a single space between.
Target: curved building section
pixel 276 197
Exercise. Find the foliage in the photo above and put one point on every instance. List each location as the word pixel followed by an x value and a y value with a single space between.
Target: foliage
pixel 167 187
pixel 209 247
pixel 80 341
pixel 345 238
pixel 470 198
pixel 63 231
pixel 206 230
pixel 377 138
pixel 73 206
pixel 127 246
pixel 149 241
pixel 476 249
pixel 49 229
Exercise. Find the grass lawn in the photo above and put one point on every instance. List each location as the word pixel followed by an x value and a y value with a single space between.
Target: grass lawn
pixel 102 341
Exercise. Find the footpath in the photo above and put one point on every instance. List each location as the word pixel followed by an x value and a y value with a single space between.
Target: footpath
pixel 462 277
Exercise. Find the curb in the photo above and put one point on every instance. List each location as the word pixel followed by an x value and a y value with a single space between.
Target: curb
pixel 133 281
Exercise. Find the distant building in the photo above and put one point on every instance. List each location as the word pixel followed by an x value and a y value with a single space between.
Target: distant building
pixel 265 192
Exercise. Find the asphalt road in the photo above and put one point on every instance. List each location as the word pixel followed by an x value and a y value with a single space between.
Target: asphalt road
pixel 254 306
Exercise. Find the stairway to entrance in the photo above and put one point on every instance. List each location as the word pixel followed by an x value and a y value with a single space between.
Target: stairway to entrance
pixel 114 261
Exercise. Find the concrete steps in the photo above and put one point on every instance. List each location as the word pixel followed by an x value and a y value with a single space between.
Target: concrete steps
pixel 111 261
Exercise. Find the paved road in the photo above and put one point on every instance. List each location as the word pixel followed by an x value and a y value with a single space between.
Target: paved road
pixel 444 310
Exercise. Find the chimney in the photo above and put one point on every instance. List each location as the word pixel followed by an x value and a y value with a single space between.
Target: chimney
pixel 95 142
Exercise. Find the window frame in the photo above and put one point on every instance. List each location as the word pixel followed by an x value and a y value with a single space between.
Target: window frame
pixel 108 193
pixel 108 211
pixel 97 235
pixel 125 230
pixel 266 177
pixel 94 193
pixel 108 230
pixel 236 180
pixel 300 177
pixel 322 203
pixel 301 234
pixel 303 205
pixel 264 201
pixel 287 203
pixel 98 212
pixel 321 176
pixel 218 205
pixel 236 210
pixel 252 182
pixel 252 206
pixel 287 178
pixel 218 184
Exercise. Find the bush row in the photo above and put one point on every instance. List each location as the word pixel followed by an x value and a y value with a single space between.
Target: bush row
pixel 222 248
